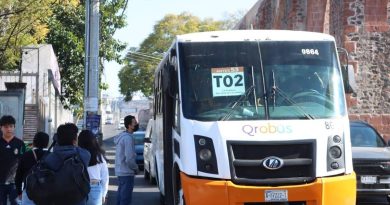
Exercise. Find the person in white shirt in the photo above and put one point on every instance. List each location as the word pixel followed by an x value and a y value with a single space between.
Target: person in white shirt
pixel 97 168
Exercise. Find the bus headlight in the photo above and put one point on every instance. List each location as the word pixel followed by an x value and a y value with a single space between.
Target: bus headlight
pixel 205 154
pixel 335 158
pixel 335 152
pixel 206 159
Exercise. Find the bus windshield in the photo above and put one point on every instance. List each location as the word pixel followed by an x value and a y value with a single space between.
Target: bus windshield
pixel 260 80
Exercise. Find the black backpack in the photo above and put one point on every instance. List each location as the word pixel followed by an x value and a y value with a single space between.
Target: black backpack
pixel 67 185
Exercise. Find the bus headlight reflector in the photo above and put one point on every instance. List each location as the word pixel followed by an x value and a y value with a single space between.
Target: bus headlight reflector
pixel 335 165
pixel 335 152
pixel 336 139
pixel 205 154
pixel 202 141
pixel 208 167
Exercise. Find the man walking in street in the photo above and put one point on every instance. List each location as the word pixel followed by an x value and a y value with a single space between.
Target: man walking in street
pixel 125 164
pixel 11 149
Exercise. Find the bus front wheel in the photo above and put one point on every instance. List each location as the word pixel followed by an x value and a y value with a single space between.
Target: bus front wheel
pixel 178 194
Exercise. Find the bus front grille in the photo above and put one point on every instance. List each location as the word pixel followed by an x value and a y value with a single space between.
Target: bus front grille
pixel 247 162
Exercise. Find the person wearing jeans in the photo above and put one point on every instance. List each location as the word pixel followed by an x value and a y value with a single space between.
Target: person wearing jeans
pixel 95 196
pixel 125 164
pixel 8 191
pixel 97 168
pixel 125 186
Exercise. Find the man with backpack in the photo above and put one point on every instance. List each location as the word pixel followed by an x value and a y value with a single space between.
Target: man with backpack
pixel 61 177
pixel 27 161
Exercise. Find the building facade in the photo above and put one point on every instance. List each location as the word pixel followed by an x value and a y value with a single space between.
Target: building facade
pixel 43 110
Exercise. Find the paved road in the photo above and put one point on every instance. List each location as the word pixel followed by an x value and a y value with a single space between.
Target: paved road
pixel 144 193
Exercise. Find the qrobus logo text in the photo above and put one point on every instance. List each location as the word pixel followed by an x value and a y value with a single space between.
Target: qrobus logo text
pixel 266 129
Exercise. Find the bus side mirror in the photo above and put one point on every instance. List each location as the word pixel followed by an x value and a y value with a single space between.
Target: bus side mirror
pixel 147 140
pixel 349 79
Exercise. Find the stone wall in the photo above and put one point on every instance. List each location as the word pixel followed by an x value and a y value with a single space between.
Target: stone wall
pixel 359 26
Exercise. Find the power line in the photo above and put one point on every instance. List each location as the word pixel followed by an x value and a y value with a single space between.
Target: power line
pixel 144 55
pixel 142 59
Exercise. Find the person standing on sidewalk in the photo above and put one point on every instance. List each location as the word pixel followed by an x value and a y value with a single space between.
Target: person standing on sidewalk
pixel 66 148
pixel 125 164
pixel 97 168
pixel 11 149
pixel 28 160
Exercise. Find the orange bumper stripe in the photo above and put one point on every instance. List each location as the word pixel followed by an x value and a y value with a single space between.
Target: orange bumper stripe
pixel 340 190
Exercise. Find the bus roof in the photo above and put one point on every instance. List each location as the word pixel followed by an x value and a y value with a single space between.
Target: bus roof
pixel 254 35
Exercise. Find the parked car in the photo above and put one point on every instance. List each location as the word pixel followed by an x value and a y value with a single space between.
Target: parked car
pixel 121 124
pixel 371 161
pixel 149 163
pixel 139 138
pixel 109 121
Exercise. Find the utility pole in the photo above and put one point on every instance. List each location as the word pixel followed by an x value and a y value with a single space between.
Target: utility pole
pixel 91 90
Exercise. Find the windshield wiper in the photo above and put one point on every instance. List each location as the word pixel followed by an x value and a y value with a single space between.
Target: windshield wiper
pixel 274 88
pixel 277 90
pixel 263 82
pixel 235 103
pixel 292 102
pixel 254 89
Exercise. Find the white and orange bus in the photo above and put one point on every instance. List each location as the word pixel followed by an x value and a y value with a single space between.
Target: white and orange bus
pixel 252 117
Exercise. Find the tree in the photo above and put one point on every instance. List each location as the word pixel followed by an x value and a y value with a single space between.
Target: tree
pixel 66 35
pixel 21 23
pixel 62 24
pixel 140 63
pixel 232 19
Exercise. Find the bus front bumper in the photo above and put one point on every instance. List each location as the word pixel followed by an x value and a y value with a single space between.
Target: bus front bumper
pixel 340 190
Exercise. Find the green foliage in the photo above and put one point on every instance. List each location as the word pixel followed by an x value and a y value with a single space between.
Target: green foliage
pixel 21 23
pixel 62 24
pixel 67 38
pixel 112 19
pixel 66 35
pixel 138 72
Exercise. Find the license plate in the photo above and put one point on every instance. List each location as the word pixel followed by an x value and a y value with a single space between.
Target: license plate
pixel 368 179
pixel 276 195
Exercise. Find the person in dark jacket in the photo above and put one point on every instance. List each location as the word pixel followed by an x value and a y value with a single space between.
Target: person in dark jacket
pixel 28 160
pixel 65 148
pixel 11 149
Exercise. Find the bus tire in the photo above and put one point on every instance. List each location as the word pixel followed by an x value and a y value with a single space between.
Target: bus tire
pixel 146 174
pixel 152 180
pixel 162 199
pixel 178 194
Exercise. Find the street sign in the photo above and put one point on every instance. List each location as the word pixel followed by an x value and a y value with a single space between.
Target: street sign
pixel 91 104
pixel 93 123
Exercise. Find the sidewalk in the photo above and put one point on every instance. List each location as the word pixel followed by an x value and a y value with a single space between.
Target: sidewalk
pixel 109 147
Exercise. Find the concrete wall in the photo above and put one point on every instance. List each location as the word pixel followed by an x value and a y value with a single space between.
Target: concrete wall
pixel 43 108
pixel 360 26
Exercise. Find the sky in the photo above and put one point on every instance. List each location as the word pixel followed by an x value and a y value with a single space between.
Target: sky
pixel 142 15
